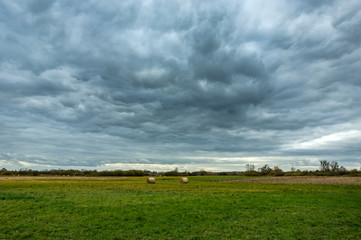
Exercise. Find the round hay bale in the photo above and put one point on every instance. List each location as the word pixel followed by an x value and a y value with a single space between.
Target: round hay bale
pixel 151 180
pixel 183 180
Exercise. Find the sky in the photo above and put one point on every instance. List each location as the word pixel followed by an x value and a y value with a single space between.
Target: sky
pixel 197 85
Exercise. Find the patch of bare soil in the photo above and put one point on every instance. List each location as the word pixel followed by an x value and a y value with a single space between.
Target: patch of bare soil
pixel 55 177
pixel 303 180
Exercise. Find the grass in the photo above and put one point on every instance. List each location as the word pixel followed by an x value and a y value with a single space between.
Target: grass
pixel 203 209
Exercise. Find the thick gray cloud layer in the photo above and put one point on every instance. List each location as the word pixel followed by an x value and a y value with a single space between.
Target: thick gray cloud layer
pixel 193 84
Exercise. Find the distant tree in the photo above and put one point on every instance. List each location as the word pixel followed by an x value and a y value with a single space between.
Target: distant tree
pixel 277 171
pixel 334 166
pixel 342 170
pixel 293 169
pixel 175 172
pixel 250 167
pixel 324 166
pixel 265 170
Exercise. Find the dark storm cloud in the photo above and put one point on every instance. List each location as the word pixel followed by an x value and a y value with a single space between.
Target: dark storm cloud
pixel 179 82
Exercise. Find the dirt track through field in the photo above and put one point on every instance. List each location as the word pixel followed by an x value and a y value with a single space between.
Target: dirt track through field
pixel 303 180
pixel 58 177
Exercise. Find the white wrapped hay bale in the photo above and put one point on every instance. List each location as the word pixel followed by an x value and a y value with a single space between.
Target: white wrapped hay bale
pixel 183 180
pixel 151 180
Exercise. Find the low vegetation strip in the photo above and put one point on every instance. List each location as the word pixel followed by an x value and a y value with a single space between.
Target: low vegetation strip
pixel 302 180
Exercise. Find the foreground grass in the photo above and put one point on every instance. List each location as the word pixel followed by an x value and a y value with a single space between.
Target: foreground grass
pixel 203 209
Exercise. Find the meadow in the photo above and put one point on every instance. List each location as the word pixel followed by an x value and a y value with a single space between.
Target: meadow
pixel 205 208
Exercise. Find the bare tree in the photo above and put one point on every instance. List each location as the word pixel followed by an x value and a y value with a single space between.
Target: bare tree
pixel 250 167
pixel 325 166
pixel 334 166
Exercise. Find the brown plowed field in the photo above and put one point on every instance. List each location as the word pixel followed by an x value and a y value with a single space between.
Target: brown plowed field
pixel 303 180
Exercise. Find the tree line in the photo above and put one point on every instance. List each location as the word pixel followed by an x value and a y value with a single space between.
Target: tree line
pixel 326 169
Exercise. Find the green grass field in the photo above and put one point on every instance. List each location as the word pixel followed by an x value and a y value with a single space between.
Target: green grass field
pixel 203 209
